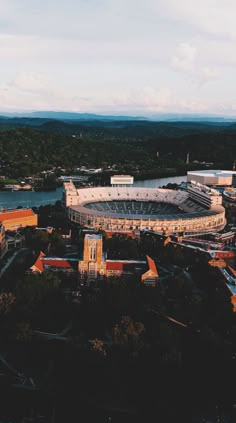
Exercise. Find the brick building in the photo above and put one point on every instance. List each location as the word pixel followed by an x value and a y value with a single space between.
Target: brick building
pixel 94 264
pixel 18 218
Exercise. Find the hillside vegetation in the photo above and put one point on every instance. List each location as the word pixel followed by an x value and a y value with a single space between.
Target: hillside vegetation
pixel 28 146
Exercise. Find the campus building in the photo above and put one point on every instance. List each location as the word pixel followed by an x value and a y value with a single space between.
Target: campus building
pixel 213 177
pixel 18 218
pixel 94 264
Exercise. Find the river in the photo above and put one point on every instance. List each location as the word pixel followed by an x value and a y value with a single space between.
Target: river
pixel 153 183
pixel 9 200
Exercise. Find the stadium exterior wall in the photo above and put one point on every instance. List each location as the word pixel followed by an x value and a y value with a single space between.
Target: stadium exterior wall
pixel 182 224
pixel 188 222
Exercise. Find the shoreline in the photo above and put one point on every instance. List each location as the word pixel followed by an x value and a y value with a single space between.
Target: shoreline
pixel 26 198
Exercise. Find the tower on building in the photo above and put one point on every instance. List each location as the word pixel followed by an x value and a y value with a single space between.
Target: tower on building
pixel 93 264
pixel 187 158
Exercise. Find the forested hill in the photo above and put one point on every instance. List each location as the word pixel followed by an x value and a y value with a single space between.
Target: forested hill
pixel 133 146
pixel 127 127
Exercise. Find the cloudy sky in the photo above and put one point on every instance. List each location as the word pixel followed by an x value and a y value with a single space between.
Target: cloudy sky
pixel 118 56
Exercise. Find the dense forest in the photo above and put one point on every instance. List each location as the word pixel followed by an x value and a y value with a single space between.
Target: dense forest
pixel 144 149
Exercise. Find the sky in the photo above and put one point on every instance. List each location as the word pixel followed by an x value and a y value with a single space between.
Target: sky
pixel 138 57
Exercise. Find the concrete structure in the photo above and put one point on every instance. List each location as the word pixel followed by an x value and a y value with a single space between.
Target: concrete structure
pixel 212 177
pixel 70 194
pixel 204 195
pixel 122 180
pixel 121 208
pixel 18 218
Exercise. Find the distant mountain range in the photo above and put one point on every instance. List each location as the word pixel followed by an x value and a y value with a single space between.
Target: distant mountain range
pixel 159 117
pixel 70 116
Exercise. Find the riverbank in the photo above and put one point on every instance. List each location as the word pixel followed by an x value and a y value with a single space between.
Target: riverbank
pixel 13 199
pixel 9 200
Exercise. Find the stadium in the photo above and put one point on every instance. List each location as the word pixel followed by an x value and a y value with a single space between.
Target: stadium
pixel 126 208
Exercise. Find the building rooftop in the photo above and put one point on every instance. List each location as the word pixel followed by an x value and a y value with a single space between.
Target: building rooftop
pixel 152 265
pixel 57 262
pixel 15 214
pixel 38 265
pixel 93 236
pixel 212 172
pixel 124 265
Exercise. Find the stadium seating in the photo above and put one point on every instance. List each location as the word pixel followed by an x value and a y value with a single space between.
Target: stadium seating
pixel 131 207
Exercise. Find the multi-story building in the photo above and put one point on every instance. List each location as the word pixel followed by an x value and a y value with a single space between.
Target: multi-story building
pixel 204 195
pixel 18 218
pixel 94 264
pixel 213 177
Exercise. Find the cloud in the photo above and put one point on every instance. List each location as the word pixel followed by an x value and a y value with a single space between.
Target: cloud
pixel 31 82
pixel 30 91
pixel 208 74
pixel 160 100
pixel 146 98
pixel 187 60
pixel 185 57
pixel 35 91
pixel 215 17
pixel 104 55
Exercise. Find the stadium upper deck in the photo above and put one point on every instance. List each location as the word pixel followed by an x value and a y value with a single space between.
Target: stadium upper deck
pixel 126 208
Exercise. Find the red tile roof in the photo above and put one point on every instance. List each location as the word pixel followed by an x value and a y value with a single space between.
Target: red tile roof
pixel 223 254
pixel 15 214
pixel 115 265
pixel 152 265
pixel 38 265
pixel 123 265
pixel 57 262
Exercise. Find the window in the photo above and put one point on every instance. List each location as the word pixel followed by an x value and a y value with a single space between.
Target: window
pixel 92 252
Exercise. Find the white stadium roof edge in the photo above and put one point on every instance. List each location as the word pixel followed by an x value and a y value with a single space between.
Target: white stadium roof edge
pixel 192 218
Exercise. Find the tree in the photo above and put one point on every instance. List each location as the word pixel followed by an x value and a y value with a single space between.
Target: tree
pixel 98 347
pixel 7 299
pixel 24 332
pixel 32 289
pixel 128 334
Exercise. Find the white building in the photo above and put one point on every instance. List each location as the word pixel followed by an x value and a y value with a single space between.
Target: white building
pixel 212 177
pixel 204 195
pixel 121 180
